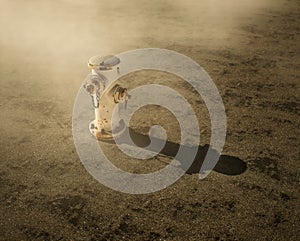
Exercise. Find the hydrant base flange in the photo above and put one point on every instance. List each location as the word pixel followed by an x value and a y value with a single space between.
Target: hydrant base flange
pixel 105 135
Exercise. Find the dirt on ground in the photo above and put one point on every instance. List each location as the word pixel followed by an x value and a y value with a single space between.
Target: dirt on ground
pixel 249 48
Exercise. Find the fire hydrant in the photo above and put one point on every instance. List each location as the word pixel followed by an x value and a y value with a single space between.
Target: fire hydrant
pixel 105 99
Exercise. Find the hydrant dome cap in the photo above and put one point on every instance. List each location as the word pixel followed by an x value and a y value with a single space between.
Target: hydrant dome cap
pixel 108 61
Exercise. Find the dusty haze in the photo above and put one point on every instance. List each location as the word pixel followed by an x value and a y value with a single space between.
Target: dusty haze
pixel 250 48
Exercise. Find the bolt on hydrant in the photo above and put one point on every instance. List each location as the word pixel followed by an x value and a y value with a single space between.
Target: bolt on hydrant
pixel 105 98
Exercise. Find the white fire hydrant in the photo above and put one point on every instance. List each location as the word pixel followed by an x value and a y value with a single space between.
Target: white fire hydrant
pixel 104 98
